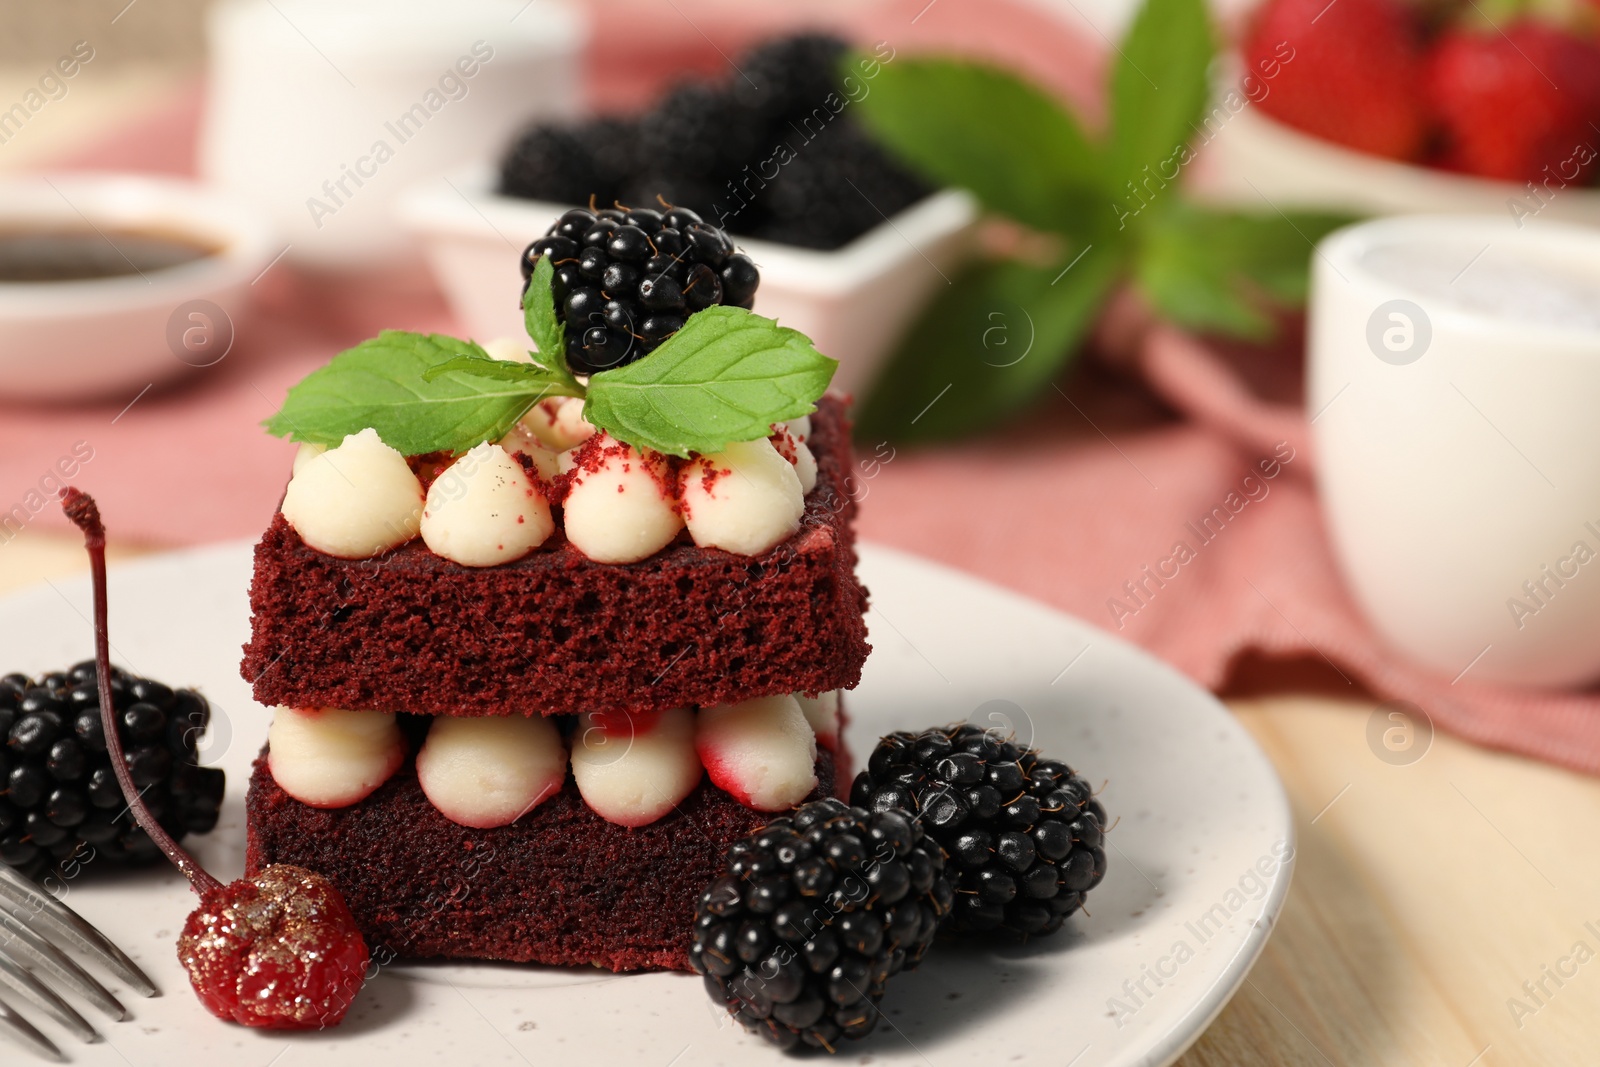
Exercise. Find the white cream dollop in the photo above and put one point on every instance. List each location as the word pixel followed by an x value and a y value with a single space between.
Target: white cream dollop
pixel 633 775
pixel 571 428
pixel 484 510
pixel 521 439
pixel 805 466
pixel 620 512
pixel 332 758
pixel 745 499
pixel 763 752
pixel 355 501
pixel 800 427
pixel 487 772
pixel 305 454
pixel 822 712
pixel 558 422
pixel 509 349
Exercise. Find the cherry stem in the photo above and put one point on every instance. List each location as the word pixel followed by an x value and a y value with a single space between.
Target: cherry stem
pixel 80 508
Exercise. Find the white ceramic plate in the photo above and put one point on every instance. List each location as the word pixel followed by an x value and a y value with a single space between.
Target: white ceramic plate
pixel 1199 864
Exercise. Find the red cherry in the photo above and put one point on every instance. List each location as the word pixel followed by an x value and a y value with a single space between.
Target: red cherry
pixel 279 951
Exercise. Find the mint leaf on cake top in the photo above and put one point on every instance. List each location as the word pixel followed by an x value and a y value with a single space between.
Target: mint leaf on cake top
pixel 728 375
pixel 382 383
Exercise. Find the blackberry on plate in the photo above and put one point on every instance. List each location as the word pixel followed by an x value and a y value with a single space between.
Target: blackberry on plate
pixel 814 915
pixel 1024 835
pixel 626 279
pixel 58 791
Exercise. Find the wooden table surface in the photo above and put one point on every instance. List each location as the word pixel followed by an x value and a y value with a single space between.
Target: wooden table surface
pixel 1444 912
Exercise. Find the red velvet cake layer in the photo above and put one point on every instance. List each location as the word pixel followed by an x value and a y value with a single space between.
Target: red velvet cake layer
pixel 555 632
pixel 559 886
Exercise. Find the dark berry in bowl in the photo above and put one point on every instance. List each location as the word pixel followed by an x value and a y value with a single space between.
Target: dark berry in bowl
pixel 766 152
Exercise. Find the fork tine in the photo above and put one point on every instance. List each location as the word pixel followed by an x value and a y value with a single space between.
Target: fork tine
pixel 74 928
pixel 35 949
pixel 23 981
pixel 24 1034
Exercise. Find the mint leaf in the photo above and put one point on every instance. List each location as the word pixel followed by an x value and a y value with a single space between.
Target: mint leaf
pixel 1003 333
pixel 726 376
pixel 499 370
pixel 383 383
pixel 1158 93
pixel 539 316
pixel 984 129
pixel 1225 272
pixel 557 381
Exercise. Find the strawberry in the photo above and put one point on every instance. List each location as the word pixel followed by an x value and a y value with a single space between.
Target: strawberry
pixel 1349 71
pixel 1514 102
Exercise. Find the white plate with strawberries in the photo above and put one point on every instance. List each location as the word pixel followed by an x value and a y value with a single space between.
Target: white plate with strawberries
pixel 1200 852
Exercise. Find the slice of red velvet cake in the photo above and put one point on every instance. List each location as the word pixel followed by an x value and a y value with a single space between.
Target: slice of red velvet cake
pixel 545 634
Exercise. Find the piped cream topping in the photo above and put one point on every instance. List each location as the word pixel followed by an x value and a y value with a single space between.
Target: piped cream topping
pixel 618 507
pixel 492 505
pixel 631 770
pixel 484 510
pixel 355 501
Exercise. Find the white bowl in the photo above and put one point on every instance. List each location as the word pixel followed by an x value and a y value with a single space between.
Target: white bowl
pixel 1254 157
pixel 854 303
pixel 97 337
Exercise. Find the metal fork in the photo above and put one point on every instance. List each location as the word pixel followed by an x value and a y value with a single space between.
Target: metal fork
pixel 29 959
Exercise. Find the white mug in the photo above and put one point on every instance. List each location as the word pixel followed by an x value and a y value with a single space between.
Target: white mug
pixel 1454 393
pixel 322 112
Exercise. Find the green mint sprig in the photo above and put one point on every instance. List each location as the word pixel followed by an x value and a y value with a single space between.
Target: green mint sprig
pixel 1006 328
pixel 728 375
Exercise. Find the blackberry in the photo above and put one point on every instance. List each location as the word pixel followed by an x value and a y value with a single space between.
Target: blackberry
pixel 613 146
pixel 789 77
pixel 839 185
pixel 572 163
pixel 712 147
pixel 58 792
pixel 626 279
pixel 1024 834
pixel 699 132
pixel 549 163
pixel 814 915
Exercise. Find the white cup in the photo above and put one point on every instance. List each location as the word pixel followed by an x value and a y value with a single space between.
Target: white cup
pixel 322 112
pixel 1454 390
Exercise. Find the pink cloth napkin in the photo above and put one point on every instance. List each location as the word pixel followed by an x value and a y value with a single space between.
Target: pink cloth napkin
pixel 1157 440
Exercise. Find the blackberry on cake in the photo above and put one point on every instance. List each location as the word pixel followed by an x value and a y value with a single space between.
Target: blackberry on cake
pixel 1024 834
pixel 58 792
pixel 813 915
pixel 626 279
